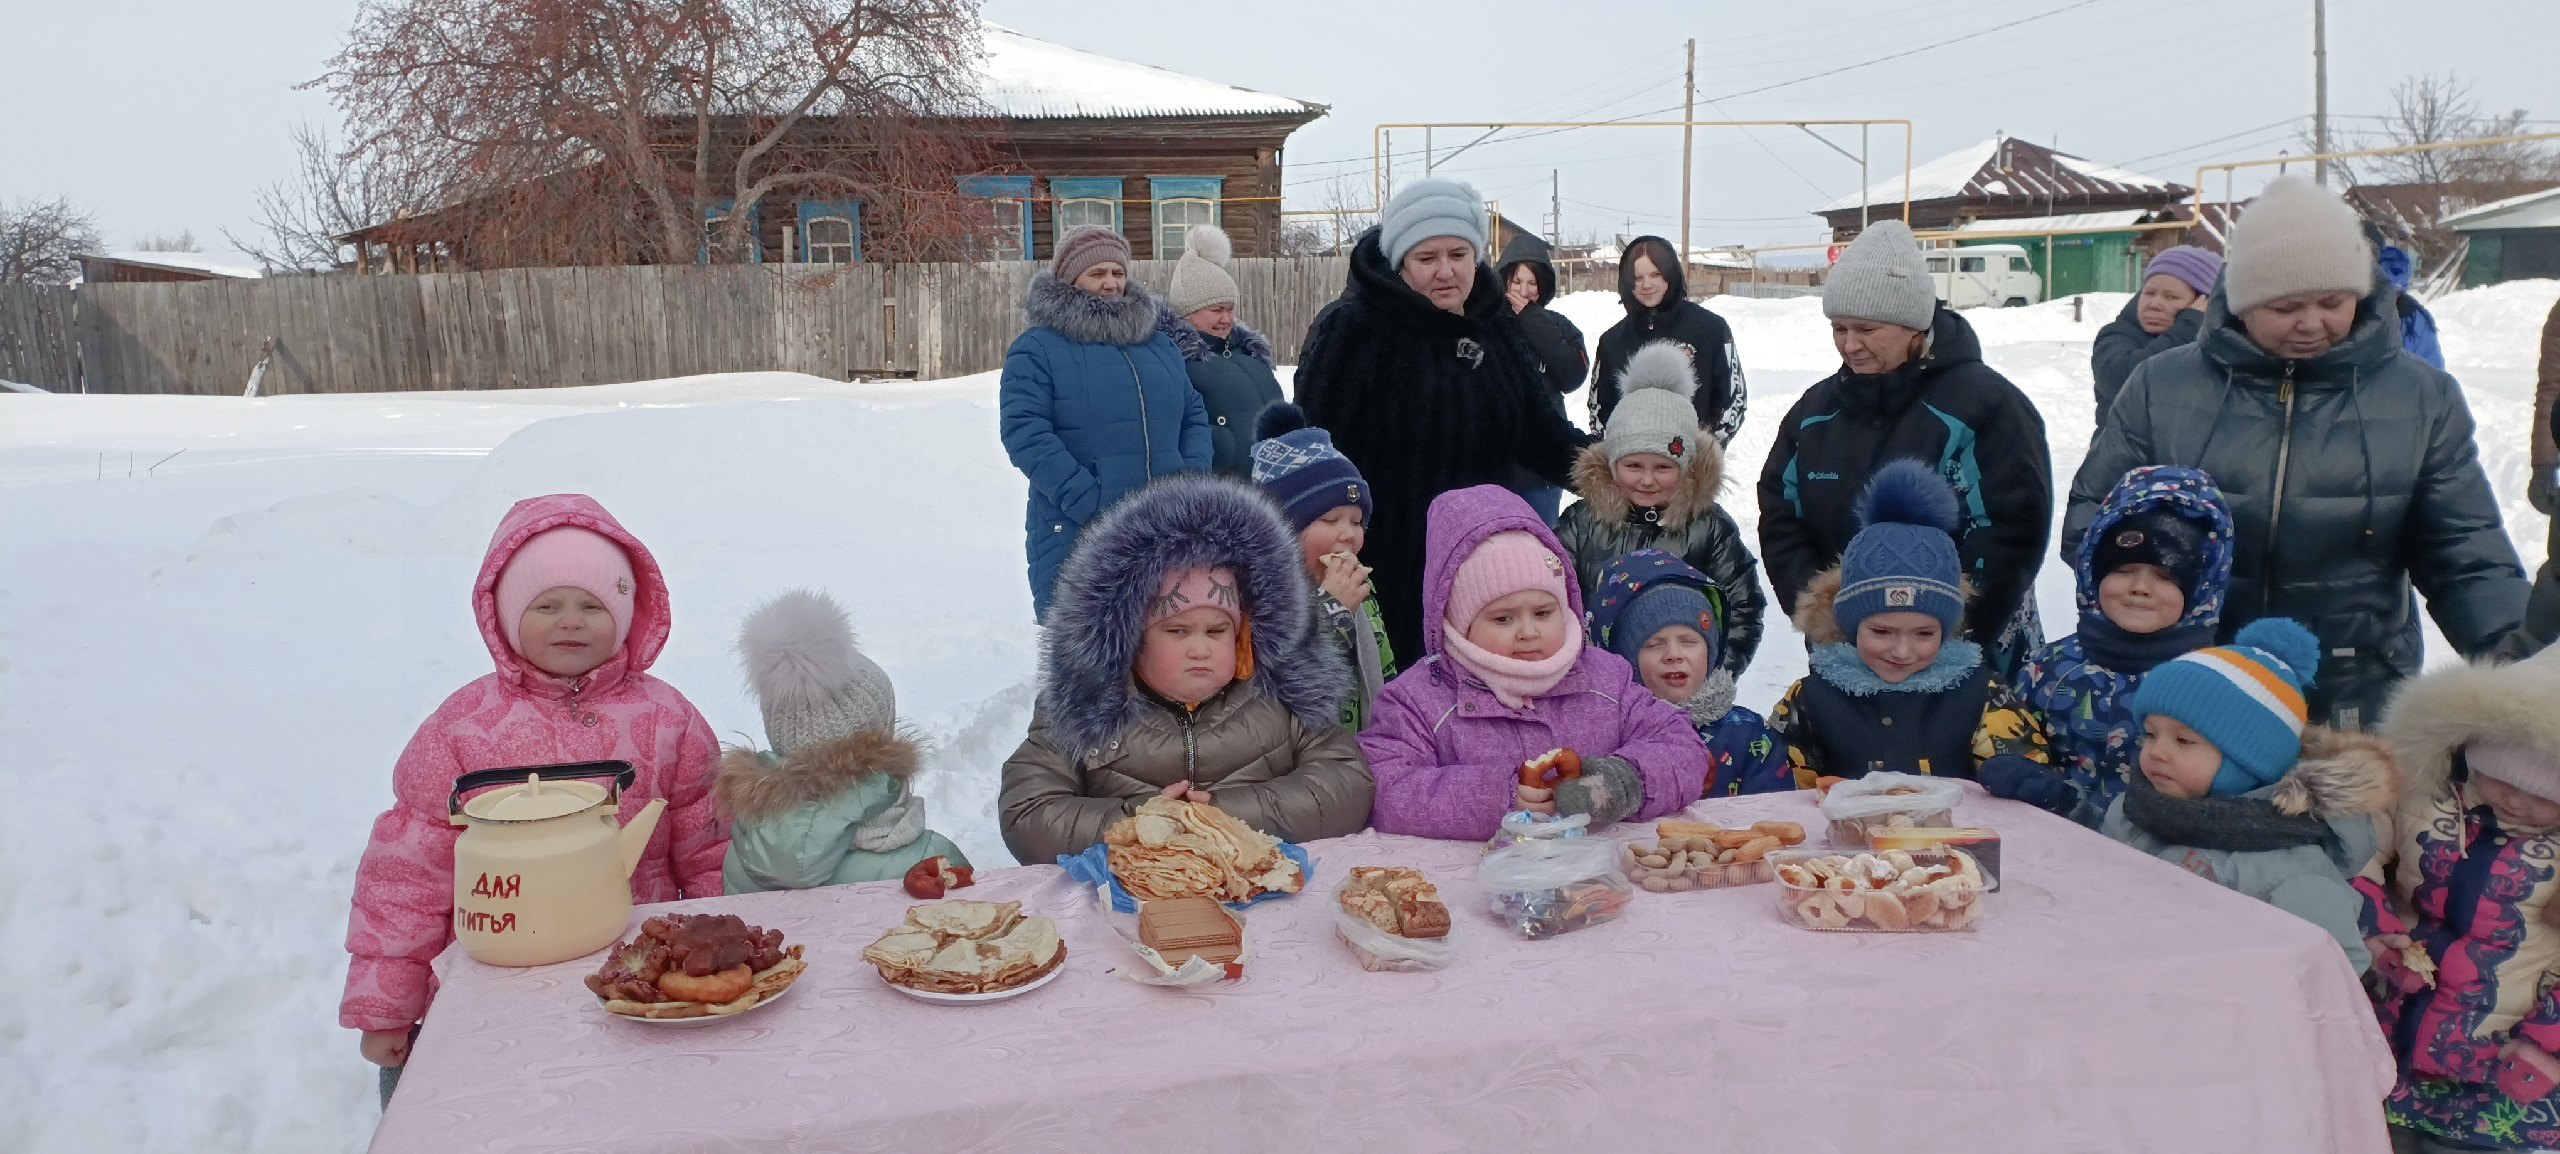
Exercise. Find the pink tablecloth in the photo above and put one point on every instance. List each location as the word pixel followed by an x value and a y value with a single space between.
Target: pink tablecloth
pixel 2110 1002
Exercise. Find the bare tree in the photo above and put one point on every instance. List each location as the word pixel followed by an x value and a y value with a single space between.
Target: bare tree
pixel 2439 109
pixel 183 240
pixel 331 193
pixel 652 127
pixel 1348 212
pixel 41 241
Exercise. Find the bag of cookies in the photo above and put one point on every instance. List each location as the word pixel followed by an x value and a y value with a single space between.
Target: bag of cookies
pixel 1547 884
pixel 1889 800
pixel 1393 919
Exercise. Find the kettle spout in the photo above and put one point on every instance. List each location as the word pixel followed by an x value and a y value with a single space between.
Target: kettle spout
pixel 635 833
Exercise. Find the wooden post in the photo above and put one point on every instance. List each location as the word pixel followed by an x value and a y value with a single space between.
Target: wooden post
pixel 1688 135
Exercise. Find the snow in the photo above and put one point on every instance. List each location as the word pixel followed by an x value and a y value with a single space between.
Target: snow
pixel 1028 79
pixel 221 618
pixel 1936 180
pixel 230 264
pixel 2067 222
pixel 2531 210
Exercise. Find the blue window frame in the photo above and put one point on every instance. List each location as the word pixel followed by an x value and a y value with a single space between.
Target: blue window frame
pixel 1082 200
pixel 1010 232
pixel 830 232
pixel 1181 202
pixel 717 211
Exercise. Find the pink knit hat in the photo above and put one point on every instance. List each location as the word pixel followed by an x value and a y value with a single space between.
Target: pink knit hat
pixel 2516 766
pixel 1506 563
pixel 567 555
pixel 1193 588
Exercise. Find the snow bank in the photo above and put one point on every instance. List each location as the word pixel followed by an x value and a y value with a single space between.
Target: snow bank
pixel 221 618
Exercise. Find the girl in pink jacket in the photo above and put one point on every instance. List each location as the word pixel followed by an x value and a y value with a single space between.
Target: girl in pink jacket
pixel 573 609
pixel 1508 677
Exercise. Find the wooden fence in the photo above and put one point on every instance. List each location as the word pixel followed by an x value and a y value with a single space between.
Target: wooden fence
pixel 37 341
pixel 536 328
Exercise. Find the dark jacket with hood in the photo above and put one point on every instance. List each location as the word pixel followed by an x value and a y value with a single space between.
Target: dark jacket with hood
pixel 1605 526
pixel 1094 403
pixel 1721 397
pixel 1235 381
pixel 1559 346
pixel 2351 476
pixel 1743 754
pixel 1269 748
pixel 2122 345
pixel 1424 401
pixel 1944 407
pixel 2081 687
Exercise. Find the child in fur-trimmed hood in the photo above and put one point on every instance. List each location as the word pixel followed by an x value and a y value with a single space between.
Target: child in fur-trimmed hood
pixel 2460 907
pixel 1181 659
pixel 832 803
pixel 1891 687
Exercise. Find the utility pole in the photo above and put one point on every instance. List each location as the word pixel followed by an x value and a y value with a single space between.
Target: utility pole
pixel 2320 85
pixel 1688 131
pixel 1555 206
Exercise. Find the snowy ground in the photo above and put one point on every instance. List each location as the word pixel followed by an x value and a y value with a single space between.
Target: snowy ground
pixel 220 619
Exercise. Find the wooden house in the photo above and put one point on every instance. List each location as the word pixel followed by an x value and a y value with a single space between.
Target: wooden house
pixel 1078 138
pixel 166 267
pixel 2513 239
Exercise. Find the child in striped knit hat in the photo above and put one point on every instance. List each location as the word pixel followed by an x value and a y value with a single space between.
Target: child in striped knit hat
pixel 2237 788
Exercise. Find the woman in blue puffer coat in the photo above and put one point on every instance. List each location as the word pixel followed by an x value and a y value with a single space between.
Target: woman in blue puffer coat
pixel 1094 402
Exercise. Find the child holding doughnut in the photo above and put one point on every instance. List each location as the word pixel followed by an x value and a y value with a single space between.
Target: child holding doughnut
pixel 2238 789
pixel 2153 570
pixel 1668 620
pixel 1890 687
pixel 1181 660
pixel 573 609
pixel 1509 708
pixel 1328 502
pixel 2461 908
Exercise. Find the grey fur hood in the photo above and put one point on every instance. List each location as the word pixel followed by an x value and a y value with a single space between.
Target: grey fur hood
pixel 1194 344
pixel 1124 320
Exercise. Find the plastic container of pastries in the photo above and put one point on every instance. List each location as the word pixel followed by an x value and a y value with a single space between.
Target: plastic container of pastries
pixel 1893 892
pixel 1684 856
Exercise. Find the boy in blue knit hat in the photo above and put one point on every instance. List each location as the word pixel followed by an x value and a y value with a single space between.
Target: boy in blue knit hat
pixel 2237 788
pixel 1669 621
pixel 1328 502
pixel 1891 687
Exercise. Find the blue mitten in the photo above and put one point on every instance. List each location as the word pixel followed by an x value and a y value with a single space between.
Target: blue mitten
pixel 2018 779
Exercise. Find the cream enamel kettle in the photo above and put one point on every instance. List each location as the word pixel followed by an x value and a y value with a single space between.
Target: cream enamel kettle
pixel 542 872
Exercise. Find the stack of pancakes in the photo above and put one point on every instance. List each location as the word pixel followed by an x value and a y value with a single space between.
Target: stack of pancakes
pixel 1180 849
pixel 964 947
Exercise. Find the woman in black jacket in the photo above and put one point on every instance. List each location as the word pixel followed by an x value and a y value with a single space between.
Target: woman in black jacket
pixel 2165 315
pixel 1653 287
pixel 1913 385
pixel 1422 374
pixel 1528 284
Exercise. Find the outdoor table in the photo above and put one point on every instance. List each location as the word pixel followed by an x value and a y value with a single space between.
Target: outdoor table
pixel 2109 1001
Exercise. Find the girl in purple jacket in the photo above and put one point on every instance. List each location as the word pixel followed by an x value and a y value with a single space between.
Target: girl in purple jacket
pixel 1507 679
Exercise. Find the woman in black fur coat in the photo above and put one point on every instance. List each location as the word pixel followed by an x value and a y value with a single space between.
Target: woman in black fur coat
pixel 1427 383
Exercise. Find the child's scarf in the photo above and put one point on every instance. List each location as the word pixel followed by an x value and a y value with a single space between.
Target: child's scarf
pixel 2109 647
pixel 2234 824
pixel 1515 682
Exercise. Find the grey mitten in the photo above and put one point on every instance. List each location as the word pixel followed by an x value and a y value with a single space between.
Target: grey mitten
pixel 1608 790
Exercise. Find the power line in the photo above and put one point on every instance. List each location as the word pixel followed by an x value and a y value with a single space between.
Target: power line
pixel 1908 52
pixel 2269 127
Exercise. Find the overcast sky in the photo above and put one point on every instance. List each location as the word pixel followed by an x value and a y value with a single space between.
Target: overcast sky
pixel 160 115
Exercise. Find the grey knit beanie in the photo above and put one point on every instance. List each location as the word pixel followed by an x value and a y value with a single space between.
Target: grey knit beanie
pixel 1654 413
pixel 1883 277
pixel 1429 208
pixel 1200 278
pixel 1085 246
pixel 811 683
pixel 2295 238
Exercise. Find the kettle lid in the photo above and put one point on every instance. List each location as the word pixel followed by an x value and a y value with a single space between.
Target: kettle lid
pixel 535 800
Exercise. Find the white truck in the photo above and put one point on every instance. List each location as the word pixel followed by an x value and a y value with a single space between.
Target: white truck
pixel 1981 275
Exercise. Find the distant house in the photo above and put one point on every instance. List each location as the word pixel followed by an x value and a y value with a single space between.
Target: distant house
pixel 166 267
pixel 2513 239
pixel 2045 200
pixel 1080 138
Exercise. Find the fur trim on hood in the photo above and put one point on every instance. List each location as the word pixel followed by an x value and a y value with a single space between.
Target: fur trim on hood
pixel 753 788
pixel 1194 344
pixel 1813 615
pixel 1124 320
pixel 2445 709
pixel 1099 613
pixel 1700 483
pixel 2340 774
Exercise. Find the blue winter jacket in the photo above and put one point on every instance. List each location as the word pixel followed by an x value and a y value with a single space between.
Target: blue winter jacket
pixel 1744 755
pixel 2417 325
pixel 2081 687
pixel 1094 404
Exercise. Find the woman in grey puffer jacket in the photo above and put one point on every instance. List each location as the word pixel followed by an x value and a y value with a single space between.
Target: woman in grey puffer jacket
pixel 2350 467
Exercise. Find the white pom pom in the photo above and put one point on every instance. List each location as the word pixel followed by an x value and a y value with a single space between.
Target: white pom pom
pixel 1209 243
pixel 798 650
pixel 1660 365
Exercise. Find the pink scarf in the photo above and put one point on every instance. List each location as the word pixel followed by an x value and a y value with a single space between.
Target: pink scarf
pixel 1513 681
